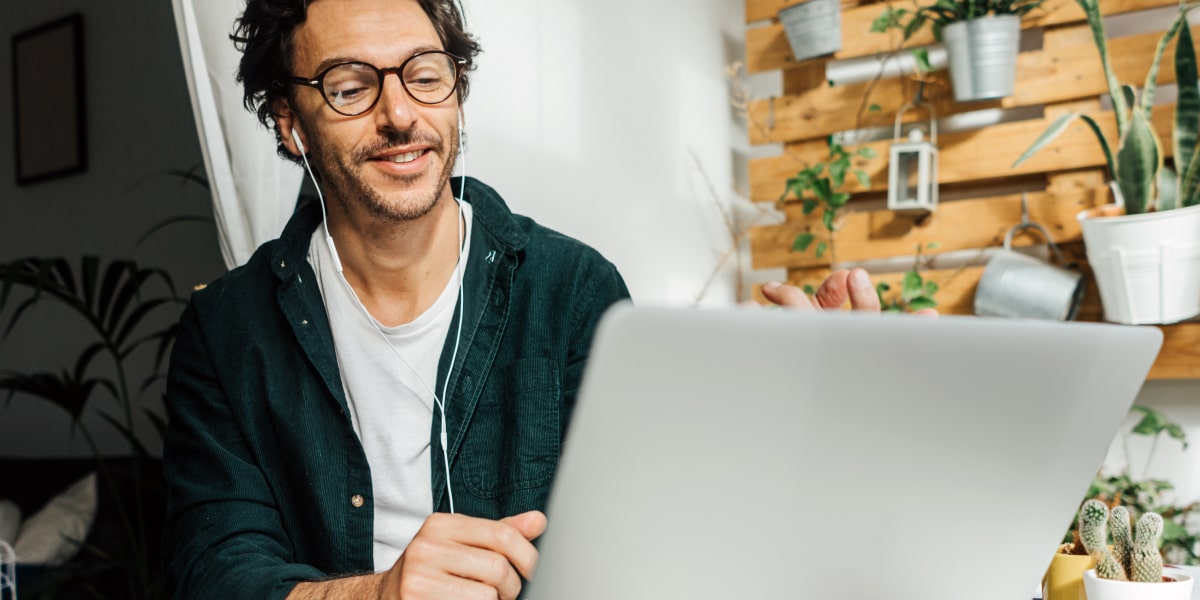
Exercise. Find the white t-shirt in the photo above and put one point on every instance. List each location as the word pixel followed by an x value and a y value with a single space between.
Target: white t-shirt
pixel 391 402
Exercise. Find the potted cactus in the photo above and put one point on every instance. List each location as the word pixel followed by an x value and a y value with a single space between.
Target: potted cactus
pixel 1132 567
pixel 1143 248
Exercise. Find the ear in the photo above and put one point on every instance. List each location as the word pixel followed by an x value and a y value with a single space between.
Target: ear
pixel 286 121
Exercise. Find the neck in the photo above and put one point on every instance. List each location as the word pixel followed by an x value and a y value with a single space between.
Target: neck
pixel 398 270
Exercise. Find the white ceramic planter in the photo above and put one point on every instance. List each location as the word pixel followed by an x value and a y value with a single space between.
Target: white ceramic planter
pixel 1147 266
pixel 813 28
pixel 1106 589
pixel 983 56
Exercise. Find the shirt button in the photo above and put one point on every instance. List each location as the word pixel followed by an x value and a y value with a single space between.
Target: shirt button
pixel 357 501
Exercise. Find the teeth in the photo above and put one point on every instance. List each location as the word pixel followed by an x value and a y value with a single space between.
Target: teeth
pixel 405 158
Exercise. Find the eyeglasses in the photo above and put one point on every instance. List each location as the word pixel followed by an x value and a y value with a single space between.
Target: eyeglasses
pixel 352 88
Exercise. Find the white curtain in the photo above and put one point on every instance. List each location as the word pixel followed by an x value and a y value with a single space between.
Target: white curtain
pixel 253 189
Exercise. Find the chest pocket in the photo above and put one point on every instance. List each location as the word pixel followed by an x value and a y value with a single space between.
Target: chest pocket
pixel 515 436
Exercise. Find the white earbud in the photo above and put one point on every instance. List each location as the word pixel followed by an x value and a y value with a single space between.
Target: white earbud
pixel 300 144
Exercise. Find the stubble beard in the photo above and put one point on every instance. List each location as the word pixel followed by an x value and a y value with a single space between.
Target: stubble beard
pixel 346 178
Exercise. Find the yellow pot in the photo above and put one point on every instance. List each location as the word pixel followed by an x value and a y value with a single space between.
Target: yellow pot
pixel 1064 578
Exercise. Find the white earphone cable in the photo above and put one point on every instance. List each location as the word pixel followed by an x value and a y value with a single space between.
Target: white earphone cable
pixel 459 269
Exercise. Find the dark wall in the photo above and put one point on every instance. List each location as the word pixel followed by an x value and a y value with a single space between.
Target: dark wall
pixel 139 128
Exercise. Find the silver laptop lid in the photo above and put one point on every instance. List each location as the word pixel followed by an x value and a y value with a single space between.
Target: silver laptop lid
pixel 719 454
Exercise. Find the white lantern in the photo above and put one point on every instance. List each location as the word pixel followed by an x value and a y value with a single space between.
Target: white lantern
pixel 913 167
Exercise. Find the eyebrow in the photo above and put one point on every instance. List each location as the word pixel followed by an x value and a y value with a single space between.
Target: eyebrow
pixel 329 62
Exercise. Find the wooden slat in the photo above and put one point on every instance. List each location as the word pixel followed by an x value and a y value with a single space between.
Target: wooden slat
pixel 1180 354
pixel 955 226
pixel 964 156
pixel 1060 72
pixel 767 47
pixel 764 10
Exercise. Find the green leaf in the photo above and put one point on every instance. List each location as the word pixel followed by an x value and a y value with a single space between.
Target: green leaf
pixel 839 200
pixel 1187 107
pixel 874 108
pixel 1152 422
pixel 1168 189
pixel 882 287
pixel 863 178
pixel 921 55
pixel 1137 164
pixel 866 152
pixel 1174 431
pixel 837 172
pixel 1057 128
pixel 931 288
pixel 1189 191
pixel 802 242
pixel 921 303
pixel 932 246
pixel 809 206
pixel 912 285
pixel 809 289
pixel 827 219
pixel 1091 8
pixel 821 248
pixel 1152 74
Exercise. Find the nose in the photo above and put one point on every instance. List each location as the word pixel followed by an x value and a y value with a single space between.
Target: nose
pixel 396 109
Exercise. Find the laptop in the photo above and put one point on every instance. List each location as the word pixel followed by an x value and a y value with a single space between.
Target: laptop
pixel 758 454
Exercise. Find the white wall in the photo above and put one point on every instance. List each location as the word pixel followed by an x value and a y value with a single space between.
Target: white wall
pixel 583 114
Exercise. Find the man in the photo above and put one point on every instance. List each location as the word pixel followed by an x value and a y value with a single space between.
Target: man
pixel 373 406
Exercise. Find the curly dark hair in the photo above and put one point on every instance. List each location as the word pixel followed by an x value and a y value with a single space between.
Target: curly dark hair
pixel 265 32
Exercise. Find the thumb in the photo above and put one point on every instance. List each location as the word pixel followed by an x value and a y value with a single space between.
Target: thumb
pixel 531 524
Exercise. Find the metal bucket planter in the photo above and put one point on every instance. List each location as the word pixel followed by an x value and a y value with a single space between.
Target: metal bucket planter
pixel 1147 266
pixel 983 56
pixel 814 28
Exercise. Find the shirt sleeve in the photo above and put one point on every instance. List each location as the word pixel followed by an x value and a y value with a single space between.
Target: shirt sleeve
pixel 600 290
pixel 224 533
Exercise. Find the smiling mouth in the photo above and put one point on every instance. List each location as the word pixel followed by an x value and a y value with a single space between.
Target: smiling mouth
pixel 404 158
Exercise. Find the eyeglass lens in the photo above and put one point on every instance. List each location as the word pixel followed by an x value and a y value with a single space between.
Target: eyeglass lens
pixel 353 88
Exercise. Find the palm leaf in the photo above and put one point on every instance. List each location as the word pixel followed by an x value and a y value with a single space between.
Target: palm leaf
pixel 89 271
pixel 16 316
pixel 1057 128
pixel 108 288
pixel 1137 164
pixel 135 317
pixel 61 390
pixel 127 433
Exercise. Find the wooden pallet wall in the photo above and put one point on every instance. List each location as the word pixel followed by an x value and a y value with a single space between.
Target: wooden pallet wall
pixel 980 191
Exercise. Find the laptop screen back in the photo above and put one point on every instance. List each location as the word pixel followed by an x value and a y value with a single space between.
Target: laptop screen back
pixel 719 454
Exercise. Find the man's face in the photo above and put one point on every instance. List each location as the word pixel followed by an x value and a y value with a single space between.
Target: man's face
pixel 394 160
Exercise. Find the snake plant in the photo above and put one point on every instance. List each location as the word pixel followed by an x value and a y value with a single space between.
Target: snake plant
pixel 1141 180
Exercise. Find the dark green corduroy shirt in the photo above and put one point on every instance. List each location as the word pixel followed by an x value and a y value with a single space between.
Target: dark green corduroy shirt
pixel 261 461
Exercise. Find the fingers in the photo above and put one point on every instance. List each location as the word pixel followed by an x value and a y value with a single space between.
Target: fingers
pixel 841 285
pixel 833 291
pixel 927 312
pixel 451 554
pixel 862 292
pixel 531 524
pixel 787 296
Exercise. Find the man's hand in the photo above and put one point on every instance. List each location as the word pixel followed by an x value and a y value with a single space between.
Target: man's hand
pixel 832 294
pixel 454 556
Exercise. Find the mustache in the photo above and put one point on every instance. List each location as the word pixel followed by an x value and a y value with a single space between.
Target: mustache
pixel 394 139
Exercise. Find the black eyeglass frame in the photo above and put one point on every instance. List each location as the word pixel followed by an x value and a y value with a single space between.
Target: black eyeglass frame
pixel 318 81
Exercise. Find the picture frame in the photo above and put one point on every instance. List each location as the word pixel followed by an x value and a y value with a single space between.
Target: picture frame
pixel 50 129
